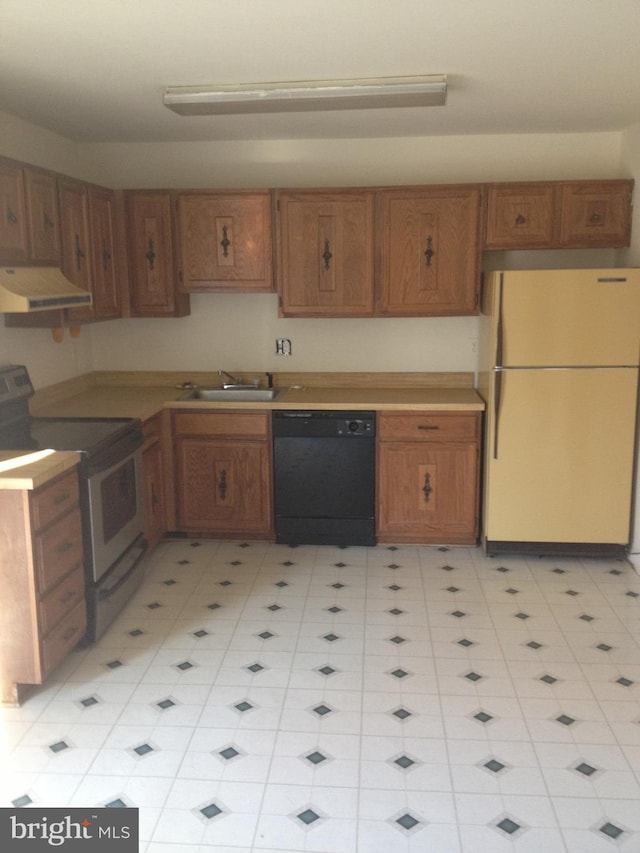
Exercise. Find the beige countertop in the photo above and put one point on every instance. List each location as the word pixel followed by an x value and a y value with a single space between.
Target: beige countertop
pixel 130 395
pixel 27 470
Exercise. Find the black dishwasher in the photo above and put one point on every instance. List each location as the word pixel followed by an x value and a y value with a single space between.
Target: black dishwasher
pixel 324 477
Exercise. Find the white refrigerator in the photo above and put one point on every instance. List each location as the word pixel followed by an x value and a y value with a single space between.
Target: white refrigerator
pixel 559 375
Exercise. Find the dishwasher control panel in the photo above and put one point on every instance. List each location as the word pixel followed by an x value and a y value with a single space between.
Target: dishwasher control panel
pixel 342 424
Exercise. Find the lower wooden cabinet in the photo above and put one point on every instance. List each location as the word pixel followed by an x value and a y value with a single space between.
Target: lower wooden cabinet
pixel 152 464
pixel 43 595
pixel 223 473
pixel 428 477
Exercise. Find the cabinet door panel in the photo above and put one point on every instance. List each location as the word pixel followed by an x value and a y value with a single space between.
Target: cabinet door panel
pixel 429 251
pixel 326 248
pixel 42 217
pixel 225 241
pixel 151 256
pixel 106 295
pixel 520 216
pixel 223 486
pixel 14 246
pixel 76 246
pixel 596 214
pixel 427 492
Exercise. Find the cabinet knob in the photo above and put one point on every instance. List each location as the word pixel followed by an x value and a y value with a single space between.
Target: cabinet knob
pixel 222 484
pixel 427 488
pixel 429 252
pixel 521 219
pixel 12 219
pixel 225 242
pixel 150 255
pixel 326 255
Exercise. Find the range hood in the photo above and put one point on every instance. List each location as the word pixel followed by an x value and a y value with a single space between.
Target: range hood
pixel 27 289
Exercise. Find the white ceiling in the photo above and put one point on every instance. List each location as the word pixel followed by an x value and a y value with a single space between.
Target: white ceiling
pixel 95 70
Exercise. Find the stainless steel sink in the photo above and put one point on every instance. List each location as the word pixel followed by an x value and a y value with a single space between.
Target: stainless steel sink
pixel 245 395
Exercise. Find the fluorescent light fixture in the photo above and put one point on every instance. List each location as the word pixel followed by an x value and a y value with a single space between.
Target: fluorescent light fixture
pixel 303 96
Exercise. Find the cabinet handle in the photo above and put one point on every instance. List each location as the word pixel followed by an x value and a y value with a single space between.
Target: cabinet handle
pixel 225 242
pixel 64 547
pixel 520 219
pixel 427 488
pixel 151 255
pixel 222 484
pixel 12 219
pixel 426 426
pixel 595 218
pixel 47 220
pixel 154 497
pixel 326 255
pixel 68 596
pixel 429 252
pixel 68 634
pixel 106 257
pixel 62 498
pixel 79 253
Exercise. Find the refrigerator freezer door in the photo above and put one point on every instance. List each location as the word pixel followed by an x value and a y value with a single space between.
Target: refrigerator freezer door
pixel 568 317
pixel 560 465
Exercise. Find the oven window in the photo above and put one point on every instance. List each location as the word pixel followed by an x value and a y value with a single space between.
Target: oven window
pixel 119 503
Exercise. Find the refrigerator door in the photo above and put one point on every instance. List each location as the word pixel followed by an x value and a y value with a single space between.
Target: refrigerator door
pixel 567 317
pixel 560 446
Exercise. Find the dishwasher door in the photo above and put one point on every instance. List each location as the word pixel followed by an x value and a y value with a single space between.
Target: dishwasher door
pixel 324 477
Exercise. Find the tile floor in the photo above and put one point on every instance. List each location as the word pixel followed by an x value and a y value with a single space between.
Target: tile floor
pixel 255 697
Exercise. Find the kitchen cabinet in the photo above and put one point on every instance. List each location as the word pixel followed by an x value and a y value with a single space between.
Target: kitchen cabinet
pixel 558 214
pixel 326 253
pixel 152 266
pixel 595 214
pixel 152 462
pixel 428 477
pixel 429 262
pixel 14 245
pixel 225 241
pixel 105 285
pixel 76 243
pixel 43 599
pixel 41 192
pixel 223 473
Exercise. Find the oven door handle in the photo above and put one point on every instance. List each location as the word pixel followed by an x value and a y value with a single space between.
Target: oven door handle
pixel 106 592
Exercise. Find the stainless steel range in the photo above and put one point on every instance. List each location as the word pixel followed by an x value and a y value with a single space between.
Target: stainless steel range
pixel 111 490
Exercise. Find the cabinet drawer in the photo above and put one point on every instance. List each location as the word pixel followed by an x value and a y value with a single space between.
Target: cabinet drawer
pixel 223 424
pixel 58 550
pixel 54 500
pixel 66 635
pixel 437 426
pixel 61 599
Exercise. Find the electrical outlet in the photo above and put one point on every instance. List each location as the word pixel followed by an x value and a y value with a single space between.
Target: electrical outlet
pixel 283 346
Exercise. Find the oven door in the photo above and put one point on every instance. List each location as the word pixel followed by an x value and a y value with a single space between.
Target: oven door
pixel 115 516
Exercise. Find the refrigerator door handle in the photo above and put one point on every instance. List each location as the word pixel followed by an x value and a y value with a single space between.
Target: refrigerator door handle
pixel 497 395
pixel 500 326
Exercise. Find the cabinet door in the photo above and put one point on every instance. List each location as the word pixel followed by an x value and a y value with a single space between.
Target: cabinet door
pixel 151 259
pixel 429 251
pixel 223 486
pixel 42 217
pixel 326 253
pixel 596 215
pixel 520 216
pixel 106 294
pixel 225 241
pixel 152 464
pixel 76 247
pixel 427 492
pixel 14 246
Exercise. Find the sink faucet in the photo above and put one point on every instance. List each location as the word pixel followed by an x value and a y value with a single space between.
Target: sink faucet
pixel 232 379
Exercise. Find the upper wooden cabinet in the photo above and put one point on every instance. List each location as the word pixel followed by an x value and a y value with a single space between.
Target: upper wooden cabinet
pixel 150 247
pixel 595 214
pixel 429 250
pixel 558 214
pixel 225 241
pixel 326 252
pixel 76 244
pixel 43 224
pixel 105 285
pixel 14 245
